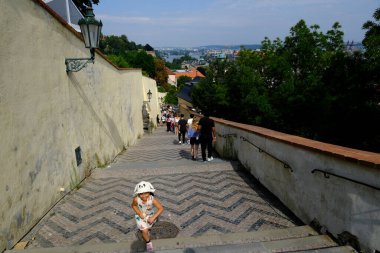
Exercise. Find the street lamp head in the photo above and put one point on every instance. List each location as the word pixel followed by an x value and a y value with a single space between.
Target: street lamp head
pixel 149 95
pixel 91 29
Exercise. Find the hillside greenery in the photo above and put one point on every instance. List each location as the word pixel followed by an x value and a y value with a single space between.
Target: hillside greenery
pixel 127 54
pixel 306 85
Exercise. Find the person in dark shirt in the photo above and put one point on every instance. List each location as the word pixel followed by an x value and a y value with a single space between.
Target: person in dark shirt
pixel 182 129
pixel 168 122
pixel 206 127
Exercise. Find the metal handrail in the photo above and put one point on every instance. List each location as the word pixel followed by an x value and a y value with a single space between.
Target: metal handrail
pixel 227 135
pixel 286 165
pixel 327 173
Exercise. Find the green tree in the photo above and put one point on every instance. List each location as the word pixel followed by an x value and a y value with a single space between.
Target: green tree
pixel 161 76
pixel 301 96
pixel 140 59
pixel 125 53
pixel 118 45
pixel 167 86
pixel 82 5
pixel 161 89
pixel 182 80
pixel 252 88
pixel 118 61
pixel 171 96
pixel 334 39
pixel 203 70
pixel 371 42
pixel 305 85
pixel 351 111
pixel 211 93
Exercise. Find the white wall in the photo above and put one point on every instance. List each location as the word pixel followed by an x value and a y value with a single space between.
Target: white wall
pixel 338 204
pixel 153 106
pixel 46 113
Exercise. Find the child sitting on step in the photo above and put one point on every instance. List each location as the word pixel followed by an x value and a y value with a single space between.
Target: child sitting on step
pixel 143 204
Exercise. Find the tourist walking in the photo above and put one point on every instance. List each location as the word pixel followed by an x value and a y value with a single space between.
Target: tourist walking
pixel 172 122
pixel 206 127
pixel 163 118
pixel 176 119
pixel 182 128
pixel 193 134
pixel 168 123
pixel 143 204
pixel 189 122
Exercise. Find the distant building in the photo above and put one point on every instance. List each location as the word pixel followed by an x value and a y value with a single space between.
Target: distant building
pixel 149 50
pixel 221 56
pixel 352 47
pixel 192 73
pixel 171 77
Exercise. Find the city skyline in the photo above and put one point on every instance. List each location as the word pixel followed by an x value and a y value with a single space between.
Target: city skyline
pixel 223 22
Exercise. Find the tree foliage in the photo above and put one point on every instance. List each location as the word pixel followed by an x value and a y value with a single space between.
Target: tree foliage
pixel 82 5
pixel 182 80
pixel 372 41
pixel 161 76
pixel 171 95
pixel 119 61
pixel 117 45
pixel 124 53
pixel 306 85
pixel 203 70
pixel 140 59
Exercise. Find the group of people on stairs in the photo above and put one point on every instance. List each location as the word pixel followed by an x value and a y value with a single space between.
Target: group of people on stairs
pixel 199 131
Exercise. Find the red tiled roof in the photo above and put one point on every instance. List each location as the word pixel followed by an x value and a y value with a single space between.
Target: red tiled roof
pixel 169 71
pixel 190 73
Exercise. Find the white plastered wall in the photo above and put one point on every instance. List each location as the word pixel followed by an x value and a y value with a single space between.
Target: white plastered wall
pixel 46 114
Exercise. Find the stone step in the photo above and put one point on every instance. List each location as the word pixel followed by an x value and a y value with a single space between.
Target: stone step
pixel 252 248
pixel 339 249
pixel 255 247
pixel 236 238
pixel 165 163
pixel 162 168
pixel 302 238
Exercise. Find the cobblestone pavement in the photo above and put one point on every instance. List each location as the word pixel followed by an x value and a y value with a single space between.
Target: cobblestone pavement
pixel 200 198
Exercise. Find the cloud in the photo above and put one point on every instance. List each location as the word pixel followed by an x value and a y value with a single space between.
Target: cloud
pixel 149 20
pixel 124 19
pixel 249 5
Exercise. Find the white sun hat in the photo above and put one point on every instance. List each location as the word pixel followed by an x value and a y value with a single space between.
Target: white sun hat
pixel 143 186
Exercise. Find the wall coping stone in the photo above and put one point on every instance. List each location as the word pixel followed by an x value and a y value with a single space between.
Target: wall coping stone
pixel 366 158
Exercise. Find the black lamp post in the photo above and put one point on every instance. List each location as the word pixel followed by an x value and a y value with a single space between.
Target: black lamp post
pixel 149 95
pixel 90 28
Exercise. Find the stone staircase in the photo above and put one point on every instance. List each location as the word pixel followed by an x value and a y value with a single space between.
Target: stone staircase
pixel 216 206
pixel 295 239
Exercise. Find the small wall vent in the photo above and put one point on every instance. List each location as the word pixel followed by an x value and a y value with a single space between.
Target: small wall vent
pixel 78 155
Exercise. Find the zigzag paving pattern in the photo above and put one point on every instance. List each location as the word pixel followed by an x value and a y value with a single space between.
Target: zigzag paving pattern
pixel 200 198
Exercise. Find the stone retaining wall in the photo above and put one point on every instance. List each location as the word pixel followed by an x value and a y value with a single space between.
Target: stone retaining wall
pixel 49 117
pixel 292 168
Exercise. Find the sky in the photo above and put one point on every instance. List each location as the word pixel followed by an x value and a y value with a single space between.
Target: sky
pixel 192 23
